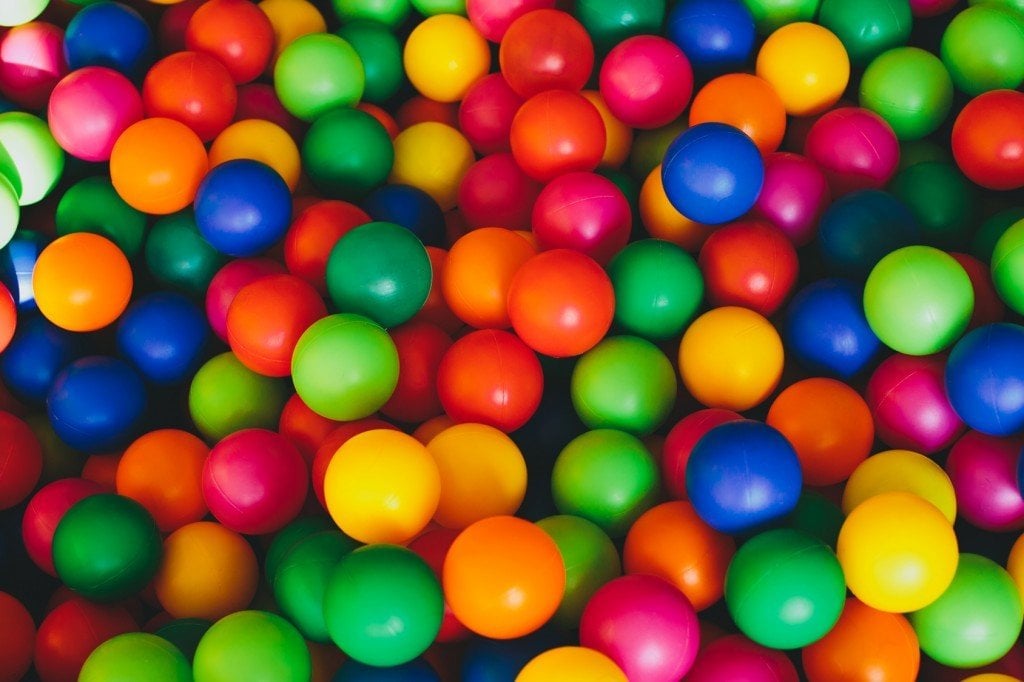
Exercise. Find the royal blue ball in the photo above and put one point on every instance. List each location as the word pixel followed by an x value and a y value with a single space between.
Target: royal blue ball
pixel 34 358
pixel 243 208
pixel 859 229
pixel 163 335
pixel 985 379
pixel 96 403
pixel 412 208
pixel 109 34
pixel 716 35
pixel 414 671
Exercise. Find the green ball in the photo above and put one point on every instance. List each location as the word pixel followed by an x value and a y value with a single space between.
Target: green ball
pixel 92 205
pixel 658 288
pixel 300 581
pixel 918 300
pixel 383 605
pixel 987 236
pixel 590 560
pixel 252 645
pixel 185 634
pixel 649 147
pixel 785 589
pixel 381 55
pixel 941 199
pixel 1013 5
pixel 976 620
pixel 10 211
pixel 347 153
pixel 606 477
pixel 983 48
pixel 316 73
pixel 136 657
pixel 1008 267
pixel 107 547
pixel 429 8
pixel 910 88
pixel 867 28
pixel 818 517
pixel 922 151
pixel 624 383
pixel 35 155
pixel 178 256
pixel 381 271
pixel 770 15
pixel 391 13
pixel 226 396
pixel 289 536
pixel 345 367
pixel 609 22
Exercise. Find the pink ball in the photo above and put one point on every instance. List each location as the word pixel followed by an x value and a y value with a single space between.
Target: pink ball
pixel 495 192
pixel 486 113
pixel 907 397
pixel 585 212
pixel 44 512
pixel 983 470
pixel 31 63
pixel 646 81
pixel 255 481
pixel 644 624
pixel 493 17
pixel 855 147
pixel 90 108
pixel 226 284
pixel 675 453
pixel 737 658
pixel 794 195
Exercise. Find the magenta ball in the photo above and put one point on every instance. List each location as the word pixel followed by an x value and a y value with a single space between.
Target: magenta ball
pixel 585 212
pixel 255 481
pixel 486 113
pixel 855 147
pixel 644 624
pixel 907 397
pixel 737 658
pixel 45 510
pixel 31 63
pixel 493 17
pixel 983 470
pixel 90 108
pixel 226 284
pixel 646 81
pixel 495 192
pixel 793 197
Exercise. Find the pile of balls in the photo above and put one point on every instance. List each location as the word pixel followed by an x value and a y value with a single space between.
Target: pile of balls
pixel 511 340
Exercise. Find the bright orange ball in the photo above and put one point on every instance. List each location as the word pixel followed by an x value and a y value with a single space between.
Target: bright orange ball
pixel 746 102
pixel 479 272
pixel 557 132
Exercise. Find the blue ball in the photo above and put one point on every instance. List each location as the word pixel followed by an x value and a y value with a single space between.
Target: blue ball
pixel 826 331
pixel 712 173
pixel 163 335
pixel 488 660
pixel 985 379
pixel 716 35
pixel 414 671
pixel 109 34
pixel 243 208
pixel 96 403
pixel 34 358
pixel 409 207
pixel 742 475
pixel 859 229
pixel 17 262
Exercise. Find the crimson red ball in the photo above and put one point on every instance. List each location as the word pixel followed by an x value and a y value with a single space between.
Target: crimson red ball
pixel 170 31
pixel 21 460
pixel 495 192
pixel 988 139
pixel 679 442
pixel 420 346
pixel 983 471
pixel 17 635
pixel 855 147
pixel 646 81
pixel 193 88
pixel 493 17
pixel 236 32
pixel 737 658
pixel 486 113
pixel 259 100
pixel 71 631
pixel 546 49
pixel 585 212
pixel 303 427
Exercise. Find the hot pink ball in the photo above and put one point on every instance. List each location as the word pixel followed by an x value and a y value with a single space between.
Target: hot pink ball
pixel 646 81
pixel 495 192
pixel 644 624
pixel 983 470
pixel 44 512
pixel 90 108
pixel 855 147
pixel 585 212
pixel 737 658
pixel 907 397
pixel 226 284
pixel 493 17
pixel 255 481
pixel 794 195
pixel 31 63
pixel 486 113
pixel 675 453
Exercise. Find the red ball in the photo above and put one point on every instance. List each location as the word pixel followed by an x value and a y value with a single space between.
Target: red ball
pixel 31 63
pixel 675 453
pixel 737 658
pixel 585 212
pixel 486 113
pixel 750 264
pixel 490 377
pixel 313 234
pixel 855 147
pixel 226 284
pixel 546 49
pixel 493 17
pixel 988 307
pixel 495 192
pixel 303 427
pixel 432 546
pixel 193 88
pixel 173 23
pixel 421 109
pixel 236 32
pixel 259 100
pixel 44 512
pixel 334 440
pixel 646 81
pixel 69 634
pixel 17 635
pixel 255 481
pixel 794 195
pixel 8 320
pixel 557 132
pixel 988 139
pixel 21 460
pixel 420 346
pixel 983 470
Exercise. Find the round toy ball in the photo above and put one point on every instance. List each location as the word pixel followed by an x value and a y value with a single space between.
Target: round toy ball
pixel 985 379
pixel 901 471
pixel 21 463
pixel 590 558
pixel 32 63
pixel 986 135
pixel 486 113
pixel 242 207
pixel 37 161
pixel 661 220
pixel 675 452
pixel 493 17
pixel 262 141
pixel 254 481
pixel 381 57
pixel 867 29
pixel 557 132
pixel 612 22
pixel 312 235
pixel 163 335
pixel 618 136
pixel 317 73
pixel 252 644
pixel 89 109
pixel 193 88
pixel 855 147
pixel 664 69
pixel 96 403
pixel 712 173
pixel 106 547
pixel 1006 259
pixel 771 15
pixel 983 471
pixel 411 208
pixel 730 358
pixel 226 284
pixel 92 205
pixel 736 657
pixel 15 15
pixel 983 48
pixel 930 8
pixel 71 631
pixel 716 35
pixel 444 55
pixel 178 257
pixel 746 102
pixel 806 64
pixel 988 306
pixel 546 49
pixel 433 157
pixel 585 212
pixel 225 396
pixel 234 32
pixel 479 274
pixel 910 88
pixel 136 656
pixel 301 581
pixel 304 427
pixel 109 34
pixel 367 159
pixel 18 632
pixel 941 199
pixel 421 345
pixel 334 440
pixel 157 165
pixel 496 192
pixel 288 538
pixel 793 197
pixel 571 664
pixel 43 513
pixel 749 264
pixel 859 229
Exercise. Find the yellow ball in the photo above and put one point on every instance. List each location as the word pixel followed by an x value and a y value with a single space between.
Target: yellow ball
pixel 291 19
pixel 444 55
pixel 618 136
pixel 898 552
pixel 807 65
pixel 731 358
pixel 261 141
pixel 382 486
pixel 991 677
pixel 1015 565
pixel 900 471
pixel 433 157
pixel 663 221
pixel 571 664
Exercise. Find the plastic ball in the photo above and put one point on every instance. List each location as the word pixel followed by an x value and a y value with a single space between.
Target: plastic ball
pixel 618 136
pixel 411 208
pixel 92 205
pixel 381 56
pixel 859 229
pixel 745 102
pixel 794 196
pixel 910 88
pixel 16 15
pixel 337 437
pixel 901 471
pixel 157 165
pixel 312 235
pixel 252 644
pixel 107 101
pixel 239 35
pixel 37 161
pixel 226 284
pixel 546 49
pixel 855 148
pixel 590 558
pixel 242 207
pixel 22 460
pixel 486 112
pixel 19 632
pixel 479 274
pixel 432 546
pixel 31 63
pixel 258 140
pixel 44 511
pixel 432 157
pixel 984 379
pixel 444 55
pixel 988 307
pixel 495 192
pixel 70 632
pixel 749 264
pixel 136 656
pixel 226 396
pixel 96 403
pixel 259 101
pixel 571 664
pixel 665 70
pixel 675 451
pixel 301 580
pixel 1006 257
pixel 716 35
pixel 317 73
pixel 585 212
pixel 178 257
pixel 367 159
pixel 556 132
pixel 109 34
pixel 391 13
pixel 493 17
pixel 163 335
pixel 867 29
pixel 806 64
pixel 193 88
pixel 661 220
pixel 986 137
pixel 983 471
pixel 736 657
pixel 983 48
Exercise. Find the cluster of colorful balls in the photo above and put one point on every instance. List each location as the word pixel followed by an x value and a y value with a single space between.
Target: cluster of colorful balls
pixel 511 340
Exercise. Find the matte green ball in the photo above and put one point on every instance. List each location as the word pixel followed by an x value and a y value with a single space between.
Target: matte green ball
pixel 92 205
pixel 316 73
pixel 624 383
pixel 590 560
pixel 381 55
pixel 910 88
pixel 429 8
pixel 918 300
pixel 941 199
pixel 226 396
pixel 289 536
pixel 177 255
pixel 34 154
pixel 649 147
pixel 987 236
pixel 983 48
pixel 770 15
pixel 383 605
pixel 107 547
pixel 609 22
pixel 867 28
pixel 607 477
pixel 185 634
pixel 136 657
pixel 391 13
pixel 301 580
pixel 347 153
pixel 252 645
pixel 658 288
pixel 785 589
pixel 345 367
pixel 381 271
pixel 1008 267
pixel 818 517
pixel 976 620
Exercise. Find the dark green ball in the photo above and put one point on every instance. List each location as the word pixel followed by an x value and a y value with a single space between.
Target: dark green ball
pixel 609 22
pixel 381 54
pixel 301 580
pixel 92 205
pixel 984 241
pixel 867 28
pixel 179 257
pixel 347 153
pixel 185 634
pixel 818 517
pixel 941 199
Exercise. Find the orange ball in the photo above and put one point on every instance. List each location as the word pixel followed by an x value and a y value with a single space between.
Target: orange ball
pixel 503 577
pixel 426 431
pixel 479 272
pixel 746 102
pixel 557 132
pixel 618 136
pixel 661 219
pixel 82 282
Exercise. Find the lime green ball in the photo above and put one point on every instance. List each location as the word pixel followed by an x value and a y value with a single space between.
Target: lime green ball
pixel 606 477
pixel 987 236
pixel 391 13
pixel 37 158
pixel 1013 5
pixel 429 8
pixel 649 147
pixel 941 199
pixel 609 22
pixel 347 153
pixel 226 396
pixel 918 300
pixel 1008 266
pixel 93 205
pixel 185 634
pixel 910 88
pixel 177 255
pixel 867 28
pixel 770 15
pixel 252 645
pixel 300 581
pixel 345 367
pixel 983 48
pixel 21 11
pixel 590 560
pixel 818 517
pixel 10 211
pixel 289 536
pixel 381 55
pixel 136 657
pixel 316 73
pixel 7 167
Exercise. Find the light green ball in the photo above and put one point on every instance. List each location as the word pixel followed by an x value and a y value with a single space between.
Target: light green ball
pixel 226 396
pixel 36 156
pixel 1008 266
pixel 136 657
pixel 316 73
pixel 910 88
pixel 250 646
pixel 983 48
pixel 17 12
